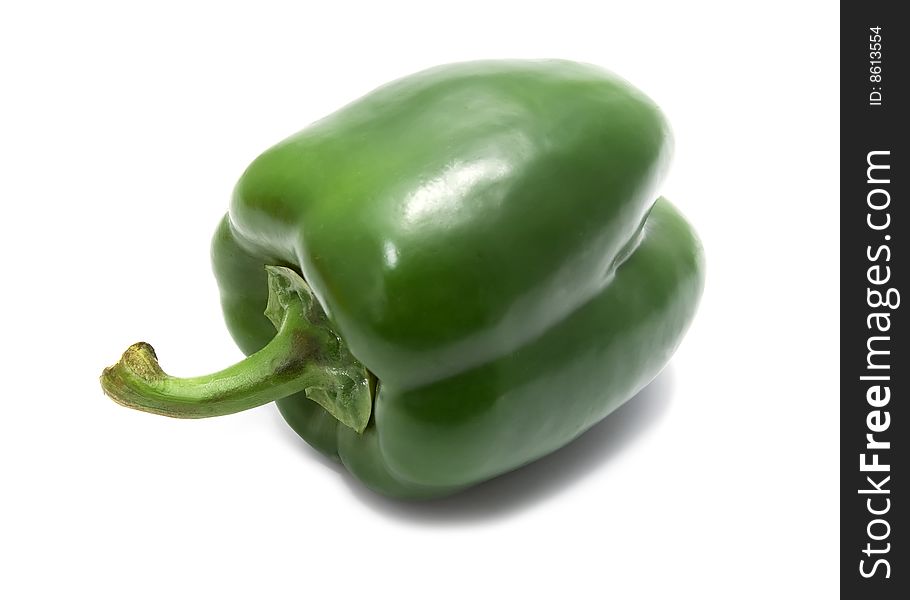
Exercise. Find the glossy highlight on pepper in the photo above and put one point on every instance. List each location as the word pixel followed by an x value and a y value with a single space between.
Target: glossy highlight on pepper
pixel 450 277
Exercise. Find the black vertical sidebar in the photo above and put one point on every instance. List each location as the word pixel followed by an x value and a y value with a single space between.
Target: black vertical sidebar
pixel 874 369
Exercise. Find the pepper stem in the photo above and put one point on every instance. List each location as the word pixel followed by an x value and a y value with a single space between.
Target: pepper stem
pixel 304 356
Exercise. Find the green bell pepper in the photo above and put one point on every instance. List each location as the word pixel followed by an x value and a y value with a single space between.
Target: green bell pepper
pixel 449 278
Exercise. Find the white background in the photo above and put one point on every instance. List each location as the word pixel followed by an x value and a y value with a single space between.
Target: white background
pixel 122 132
